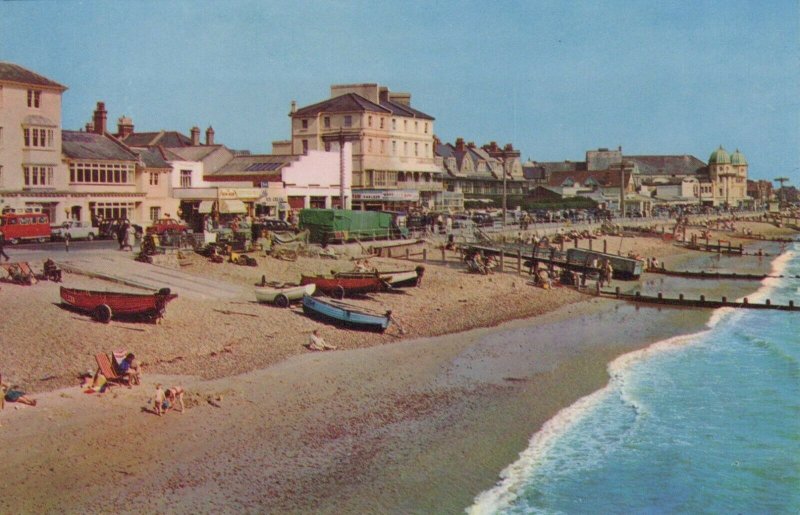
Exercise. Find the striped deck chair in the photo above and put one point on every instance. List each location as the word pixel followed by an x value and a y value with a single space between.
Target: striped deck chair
pixel 105 367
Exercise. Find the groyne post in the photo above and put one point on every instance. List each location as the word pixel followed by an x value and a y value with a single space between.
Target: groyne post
pixel 502 261
pixel 605 246
pixel 424 254
pixel 590 243
pixel 519 261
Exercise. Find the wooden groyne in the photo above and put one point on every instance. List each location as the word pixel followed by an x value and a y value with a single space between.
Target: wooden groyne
pixel 702 274
pixel 702 302
pixel 718 248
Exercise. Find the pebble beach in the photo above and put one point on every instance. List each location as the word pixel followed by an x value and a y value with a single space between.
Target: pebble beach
pixel 418 419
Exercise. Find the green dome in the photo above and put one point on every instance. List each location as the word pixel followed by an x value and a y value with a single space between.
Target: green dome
pixel 737 158
pixel 719 157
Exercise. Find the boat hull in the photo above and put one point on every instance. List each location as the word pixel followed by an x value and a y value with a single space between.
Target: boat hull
pixel 121 304
pixel 342 286
pixel 270 293
pixel 393 278
pixel 344 316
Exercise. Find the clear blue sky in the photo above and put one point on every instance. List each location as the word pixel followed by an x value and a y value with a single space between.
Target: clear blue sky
pixel 554 78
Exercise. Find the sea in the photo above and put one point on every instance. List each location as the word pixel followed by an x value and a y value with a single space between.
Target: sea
pixel 704 423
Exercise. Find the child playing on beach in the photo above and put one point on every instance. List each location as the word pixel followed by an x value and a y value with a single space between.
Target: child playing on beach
pixel 159 400
pixel 316 342
pixel 174 394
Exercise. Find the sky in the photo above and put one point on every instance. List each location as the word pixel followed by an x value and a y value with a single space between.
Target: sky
pixel 554 78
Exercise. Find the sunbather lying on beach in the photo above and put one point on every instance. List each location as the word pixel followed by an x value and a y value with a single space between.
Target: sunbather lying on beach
pixel 12 395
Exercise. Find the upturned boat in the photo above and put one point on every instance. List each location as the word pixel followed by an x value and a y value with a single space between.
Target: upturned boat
pixel 339 313
pixel 282 294
pixel 340 287
pixel 103 305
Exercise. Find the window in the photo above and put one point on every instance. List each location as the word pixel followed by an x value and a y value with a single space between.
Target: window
pixel 381 122
pixel 357 178
pixel 348 121
pixel 379 178
pixel 38 138
pixel 405 125
pixel 426 127
pixel 34 98
pixel 382 142
pixel 186 178
pixel 416 126
pixel 304 123
pixel 327 122
pixel 405 148
pixel 426 150
pixel 416 149
pixel 394 124
pixel 101 173
pixel 305 146
pixel 369 121
pixel 394 147
pixel 38 176
pixel 369 145
pixel 153 179
pixel 155 213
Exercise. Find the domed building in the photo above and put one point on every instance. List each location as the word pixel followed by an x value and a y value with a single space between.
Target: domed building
pixel 728 176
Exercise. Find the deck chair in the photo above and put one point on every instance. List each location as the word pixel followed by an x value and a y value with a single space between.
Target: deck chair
pixel 105 367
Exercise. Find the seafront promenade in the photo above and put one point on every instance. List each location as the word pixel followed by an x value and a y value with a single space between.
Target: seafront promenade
pixel 419 420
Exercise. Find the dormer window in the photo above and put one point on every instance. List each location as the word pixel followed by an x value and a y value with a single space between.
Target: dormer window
pixel 34 98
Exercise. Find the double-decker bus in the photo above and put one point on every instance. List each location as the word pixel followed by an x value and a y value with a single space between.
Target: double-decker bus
pixel 25 225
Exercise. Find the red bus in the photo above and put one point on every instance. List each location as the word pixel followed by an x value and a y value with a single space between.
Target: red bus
pixel 18 226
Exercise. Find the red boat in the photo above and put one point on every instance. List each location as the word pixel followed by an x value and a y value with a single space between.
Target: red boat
pixel 340 287
pixel 103 305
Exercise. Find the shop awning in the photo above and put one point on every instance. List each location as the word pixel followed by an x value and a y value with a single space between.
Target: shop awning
pixel 232 206
pixel 206 207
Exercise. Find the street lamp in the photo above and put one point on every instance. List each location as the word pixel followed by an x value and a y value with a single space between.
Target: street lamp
pixel 781 180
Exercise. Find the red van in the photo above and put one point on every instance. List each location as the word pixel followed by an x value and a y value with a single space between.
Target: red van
pixel 19 227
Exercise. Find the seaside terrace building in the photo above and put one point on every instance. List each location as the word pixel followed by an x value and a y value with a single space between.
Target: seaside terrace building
pixel 32 174
pixel 474 175
pixel 668 180
pixel 393 165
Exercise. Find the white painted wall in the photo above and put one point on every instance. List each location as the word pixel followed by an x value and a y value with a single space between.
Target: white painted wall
pixel 317 174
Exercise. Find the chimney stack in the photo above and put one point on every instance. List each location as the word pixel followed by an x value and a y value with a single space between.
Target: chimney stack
pixel 460 144
pixel 292 108
pixel 124 127
pixel 195 136
pixel 100 117
pixel 210 136
pixel 89 127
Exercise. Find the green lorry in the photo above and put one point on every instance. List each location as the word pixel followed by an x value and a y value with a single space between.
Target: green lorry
pixel 343 225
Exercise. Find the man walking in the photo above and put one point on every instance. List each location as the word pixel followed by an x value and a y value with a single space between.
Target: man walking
pixel 2 244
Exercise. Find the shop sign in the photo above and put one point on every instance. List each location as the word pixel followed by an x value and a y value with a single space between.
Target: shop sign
pixel 386 195
pixel 238 193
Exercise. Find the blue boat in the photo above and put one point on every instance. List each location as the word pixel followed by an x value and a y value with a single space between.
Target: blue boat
pixel 339 313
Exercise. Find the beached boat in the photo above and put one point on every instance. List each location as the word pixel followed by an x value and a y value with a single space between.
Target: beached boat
pixel 346 315
pixel 394 278
pixel 282 294
pixel 103 305
pixel 340 287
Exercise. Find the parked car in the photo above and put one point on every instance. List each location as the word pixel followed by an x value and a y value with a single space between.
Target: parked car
pixel 272 225
pixel 163 225
pixel 77 230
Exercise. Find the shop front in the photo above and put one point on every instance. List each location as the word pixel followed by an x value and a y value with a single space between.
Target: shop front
pixel 272 203
pixel 385 200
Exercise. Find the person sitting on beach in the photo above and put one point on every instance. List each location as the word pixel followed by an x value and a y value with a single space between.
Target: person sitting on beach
pixel 491 264
pixel 316 342
pixel 129 368
pixel 12 395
